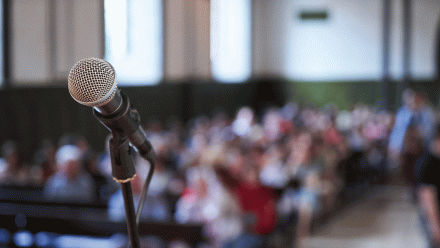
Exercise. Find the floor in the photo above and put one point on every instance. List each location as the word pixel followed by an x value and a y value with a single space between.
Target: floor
pixel 386 217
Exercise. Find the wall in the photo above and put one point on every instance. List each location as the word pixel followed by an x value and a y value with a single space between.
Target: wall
pixel 426 15
pixel 30 41
pixel 49 36
pixel 347 46
pixel 270 21
pixel 186 39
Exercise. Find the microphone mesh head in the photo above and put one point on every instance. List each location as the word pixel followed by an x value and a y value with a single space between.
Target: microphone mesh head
pixel 92 82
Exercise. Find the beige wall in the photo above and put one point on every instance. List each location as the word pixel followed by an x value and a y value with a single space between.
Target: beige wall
pixel 77 28
pixel 351 39
pixel 270 21
pixel 49 36
pixel 30 41
pixel 186 39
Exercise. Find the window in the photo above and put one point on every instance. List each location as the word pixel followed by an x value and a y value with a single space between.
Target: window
pixel 231 40
pixel 133 40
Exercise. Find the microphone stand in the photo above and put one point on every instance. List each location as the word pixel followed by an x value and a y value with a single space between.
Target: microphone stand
pixel 123 172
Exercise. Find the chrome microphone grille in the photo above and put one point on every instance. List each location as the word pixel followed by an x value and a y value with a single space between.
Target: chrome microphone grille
pixel 92 82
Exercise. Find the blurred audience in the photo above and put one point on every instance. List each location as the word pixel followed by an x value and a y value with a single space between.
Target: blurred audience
pixel 256 179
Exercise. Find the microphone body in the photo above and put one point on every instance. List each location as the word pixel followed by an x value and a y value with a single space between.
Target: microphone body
pixel 125 120
pixel 92 83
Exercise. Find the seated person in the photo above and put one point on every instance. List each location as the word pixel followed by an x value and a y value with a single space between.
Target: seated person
pixel 11 171
pixel 205 202
pixel 70 183
pixel 257 202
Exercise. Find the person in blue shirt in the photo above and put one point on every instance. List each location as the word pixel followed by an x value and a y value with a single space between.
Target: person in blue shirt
pixel 415 112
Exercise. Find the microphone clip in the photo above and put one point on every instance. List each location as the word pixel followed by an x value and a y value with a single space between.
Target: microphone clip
pixel 121 154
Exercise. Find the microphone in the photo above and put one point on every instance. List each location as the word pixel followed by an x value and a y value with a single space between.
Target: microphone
pixel 92 82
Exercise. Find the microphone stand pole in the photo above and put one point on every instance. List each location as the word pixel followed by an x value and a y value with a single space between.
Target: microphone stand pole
pixel 123 172
pixel 130 213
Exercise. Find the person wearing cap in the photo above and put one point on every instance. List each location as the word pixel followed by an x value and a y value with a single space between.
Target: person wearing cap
pixel 70 183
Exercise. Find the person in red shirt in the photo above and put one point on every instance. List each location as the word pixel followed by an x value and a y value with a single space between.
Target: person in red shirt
pixel 258 204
